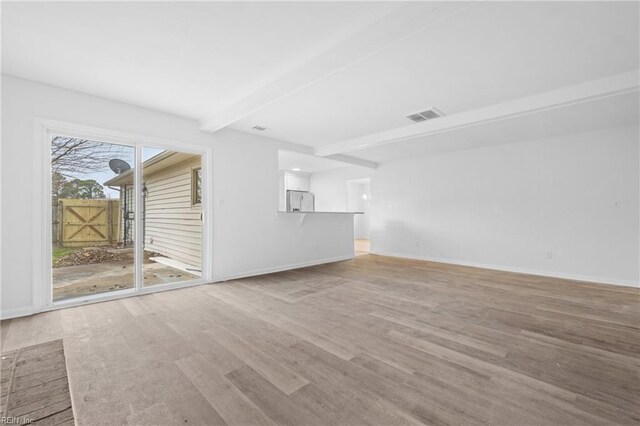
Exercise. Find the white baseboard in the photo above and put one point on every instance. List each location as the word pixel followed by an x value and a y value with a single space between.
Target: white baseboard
pixel 18 312
pixel 264 271
pixel 573 277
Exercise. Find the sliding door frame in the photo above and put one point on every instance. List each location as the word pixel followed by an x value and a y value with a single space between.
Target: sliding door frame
pixel 42 282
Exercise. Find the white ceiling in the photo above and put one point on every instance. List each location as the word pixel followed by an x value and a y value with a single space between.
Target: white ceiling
pixel 289 160
pixel 487 54
pixel 185 58
pixel 601 113
pixel 320 74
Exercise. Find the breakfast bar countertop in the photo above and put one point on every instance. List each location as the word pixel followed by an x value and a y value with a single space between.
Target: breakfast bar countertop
pixel 281 211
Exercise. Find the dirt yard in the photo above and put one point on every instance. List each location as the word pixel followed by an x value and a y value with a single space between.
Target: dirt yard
pixel 102 269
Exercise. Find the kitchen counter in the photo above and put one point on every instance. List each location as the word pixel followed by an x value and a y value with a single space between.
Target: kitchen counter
pixel 280 211
pixel 311 238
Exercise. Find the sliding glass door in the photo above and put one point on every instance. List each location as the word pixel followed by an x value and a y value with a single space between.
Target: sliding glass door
pixel 120 228
pixel 92 246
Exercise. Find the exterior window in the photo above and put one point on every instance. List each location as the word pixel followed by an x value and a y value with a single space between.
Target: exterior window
pixel 196 186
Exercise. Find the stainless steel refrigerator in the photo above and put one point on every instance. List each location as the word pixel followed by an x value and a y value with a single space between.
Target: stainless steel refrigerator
pixel 300 201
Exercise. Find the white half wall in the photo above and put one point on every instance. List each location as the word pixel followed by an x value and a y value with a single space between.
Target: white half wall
pixel 564 206
pixel 249 236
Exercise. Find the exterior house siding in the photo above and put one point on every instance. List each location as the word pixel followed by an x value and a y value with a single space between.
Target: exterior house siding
pixel 173 226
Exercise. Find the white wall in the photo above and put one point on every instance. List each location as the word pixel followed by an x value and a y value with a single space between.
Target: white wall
pixel 249 235
pixel 358 194
pixel 341 190
pixel 330 187
pixel 564 206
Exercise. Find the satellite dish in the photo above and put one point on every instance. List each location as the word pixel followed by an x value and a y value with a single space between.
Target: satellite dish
pixel 119 166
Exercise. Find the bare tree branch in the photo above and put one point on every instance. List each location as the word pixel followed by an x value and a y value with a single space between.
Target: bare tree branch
pixel 71 156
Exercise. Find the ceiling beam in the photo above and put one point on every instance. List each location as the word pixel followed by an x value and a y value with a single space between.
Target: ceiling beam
pixel 352 160
pixel 405 20
pixel 294 147
pixel 605 87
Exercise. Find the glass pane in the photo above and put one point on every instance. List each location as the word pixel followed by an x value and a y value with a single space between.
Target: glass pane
pixel 92 217
pixel 197 186
pixel 172 192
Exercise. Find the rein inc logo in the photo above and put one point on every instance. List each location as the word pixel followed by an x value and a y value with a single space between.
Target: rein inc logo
pixel 13 420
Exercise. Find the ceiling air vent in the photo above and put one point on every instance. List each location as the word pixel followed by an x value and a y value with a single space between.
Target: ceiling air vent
pixel 259 128
pixel 416 118
pixel 429 114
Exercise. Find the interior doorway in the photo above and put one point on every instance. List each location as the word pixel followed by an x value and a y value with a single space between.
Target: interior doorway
pixel 359 198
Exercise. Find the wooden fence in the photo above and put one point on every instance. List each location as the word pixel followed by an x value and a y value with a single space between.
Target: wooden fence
pixel 85 223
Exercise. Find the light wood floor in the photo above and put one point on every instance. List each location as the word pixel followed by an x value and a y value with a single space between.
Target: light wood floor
pixel 375 340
